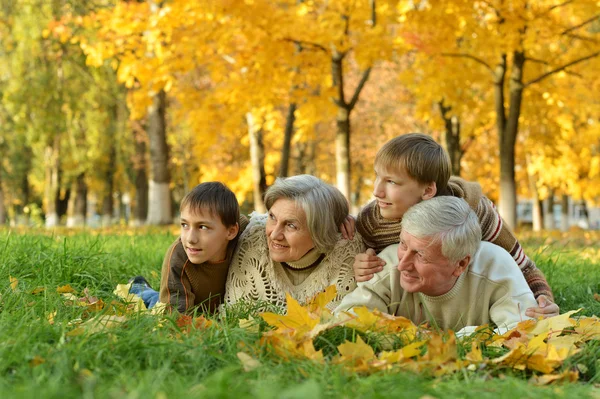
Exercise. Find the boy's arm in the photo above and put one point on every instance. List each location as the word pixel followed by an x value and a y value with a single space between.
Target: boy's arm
pixel 174 287
pixel 495 230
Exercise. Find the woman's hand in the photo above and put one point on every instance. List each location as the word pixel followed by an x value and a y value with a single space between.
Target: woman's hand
pixel 348 227
pixel 546 308
pixel 366 265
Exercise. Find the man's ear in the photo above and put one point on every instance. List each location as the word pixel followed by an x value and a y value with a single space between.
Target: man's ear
pixel 232 231
pixel 461 266
pixel 430 191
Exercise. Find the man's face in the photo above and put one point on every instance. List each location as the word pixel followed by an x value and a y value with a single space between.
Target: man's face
pixel 423 267
pixel 396 192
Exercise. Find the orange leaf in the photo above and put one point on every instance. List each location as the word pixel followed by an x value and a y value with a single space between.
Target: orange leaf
pixel 13 282
pixel 36 361
pixel 38 290
pixel 567 376
pixel 319 301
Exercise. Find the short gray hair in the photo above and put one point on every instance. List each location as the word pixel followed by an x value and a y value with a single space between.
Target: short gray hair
pixel 324 205
pixel 449 220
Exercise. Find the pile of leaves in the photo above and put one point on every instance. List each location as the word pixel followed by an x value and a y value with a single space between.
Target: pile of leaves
pixel 366 342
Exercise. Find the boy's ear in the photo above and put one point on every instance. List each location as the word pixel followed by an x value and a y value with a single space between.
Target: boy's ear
pixel 430 191
pixel 232 231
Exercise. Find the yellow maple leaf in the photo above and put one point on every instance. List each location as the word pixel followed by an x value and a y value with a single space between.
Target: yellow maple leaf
pixel 37 290
pixel 554 325
pixel 588 328
pixel 13 282
pixel 403 353
pixel 297 317
pixel 319 301
pixel 356 355
pixel 50 317
pixel 475 354
pixel 248 362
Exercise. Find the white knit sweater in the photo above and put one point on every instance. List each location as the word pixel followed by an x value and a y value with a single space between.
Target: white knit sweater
pixel 254 276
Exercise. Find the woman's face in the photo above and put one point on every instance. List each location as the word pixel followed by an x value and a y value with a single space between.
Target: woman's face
pixel 287 233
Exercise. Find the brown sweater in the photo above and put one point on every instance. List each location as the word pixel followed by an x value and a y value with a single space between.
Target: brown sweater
pixel 186 286
pixel 378 232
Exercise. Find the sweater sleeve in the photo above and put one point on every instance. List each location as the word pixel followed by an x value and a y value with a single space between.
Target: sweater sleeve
pixel 495 230
pixel 375 293
pixel 175 289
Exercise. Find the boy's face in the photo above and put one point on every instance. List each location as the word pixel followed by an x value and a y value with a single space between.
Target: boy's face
pixel 396 191
pixel 204 236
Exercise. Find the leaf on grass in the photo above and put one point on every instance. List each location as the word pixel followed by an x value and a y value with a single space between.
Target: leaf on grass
pixel 401 354
pixel 556 324
pixel 50 317
pixel 36 361
pixel 318 302
pixel 475 355
pixel 597 297
pixel 38 290
pixel 186 322
pixel 357 354
pixel 13 282
pixel 297 317
pixel 75 332
pixel 249 324
pixel 102 323
pixel 567 376
pixel 136 303
pixel 65 289
pixel 248 362
pixel 588 328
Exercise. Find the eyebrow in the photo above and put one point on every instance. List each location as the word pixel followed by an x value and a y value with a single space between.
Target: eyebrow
pixel 199 222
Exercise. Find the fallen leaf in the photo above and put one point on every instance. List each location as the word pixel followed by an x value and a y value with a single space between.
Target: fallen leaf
pixel 556 324
pixel 36 361
pixel 319 301
pixel 567 376
pixel 13 282
pixel 249 324
pixel 248 362
pixel 50 317
pixel 65 289
pixel 597 297
pixel 38 290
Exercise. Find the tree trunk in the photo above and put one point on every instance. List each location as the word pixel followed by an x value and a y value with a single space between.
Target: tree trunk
pixel 536 211
pixel 287 141
pixel 2 205
pixel 452 137
pixel 78 203
pixel 140 166
pixel 159 193
pixel 564 213
pixel 508 137
pixel 108 207
pixel 257 158
pixel 52 161
pixel 342 151
pixel 549 212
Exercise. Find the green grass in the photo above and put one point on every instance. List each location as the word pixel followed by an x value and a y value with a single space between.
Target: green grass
pixel 142 359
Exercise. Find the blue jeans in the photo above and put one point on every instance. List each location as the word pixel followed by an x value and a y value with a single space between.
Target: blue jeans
pixel 148 295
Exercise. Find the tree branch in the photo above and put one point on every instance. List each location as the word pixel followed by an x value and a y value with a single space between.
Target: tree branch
pixel 572 28
pixel 583 38
pixel 561 68
pixel 471 57
pixel 359 88
pixel 308 44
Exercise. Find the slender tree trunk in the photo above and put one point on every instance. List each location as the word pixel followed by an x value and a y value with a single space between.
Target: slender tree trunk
pixel 159 193
pixel 287 140
pixel 108 207
pixel 342 151
pixel 564 213
pixel 537 209
pixel 78 203
pixel 52 162
pixel 508 137
pixel 2 204
pixel 140 165
pixel 257 157
pixel 549 212
pixel 452 137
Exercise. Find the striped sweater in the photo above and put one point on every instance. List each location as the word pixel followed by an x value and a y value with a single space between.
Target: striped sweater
pixel 378 232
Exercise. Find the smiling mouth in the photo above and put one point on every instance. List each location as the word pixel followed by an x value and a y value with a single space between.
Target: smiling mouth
pixel 383 204
pixel 409 277
pixel 278 246
pixel 193 250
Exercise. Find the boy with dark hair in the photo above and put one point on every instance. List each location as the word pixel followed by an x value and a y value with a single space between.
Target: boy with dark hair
pixel 195 266
pixel 412 168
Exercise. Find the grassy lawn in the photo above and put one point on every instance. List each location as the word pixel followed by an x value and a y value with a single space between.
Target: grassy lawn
pixel 152 357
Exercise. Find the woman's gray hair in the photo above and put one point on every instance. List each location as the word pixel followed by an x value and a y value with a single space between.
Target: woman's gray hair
pixel 324 205
pixel 449 220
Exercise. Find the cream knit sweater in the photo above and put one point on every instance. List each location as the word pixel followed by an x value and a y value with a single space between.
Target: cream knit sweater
pixel 492 290
pixel 254 276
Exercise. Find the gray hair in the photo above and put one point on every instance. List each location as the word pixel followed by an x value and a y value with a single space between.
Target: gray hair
pixel 325 206
pixel 449 220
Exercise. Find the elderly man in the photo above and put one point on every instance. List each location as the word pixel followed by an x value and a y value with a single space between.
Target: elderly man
pixel 442 273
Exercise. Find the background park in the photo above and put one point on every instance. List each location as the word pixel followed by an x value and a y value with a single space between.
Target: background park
pixel 110 111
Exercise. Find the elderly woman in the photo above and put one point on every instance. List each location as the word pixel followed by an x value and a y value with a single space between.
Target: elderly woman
pixel 295 248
